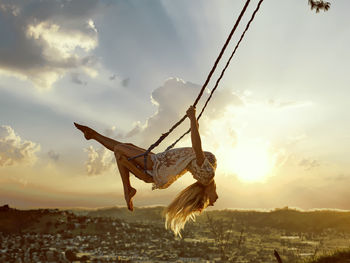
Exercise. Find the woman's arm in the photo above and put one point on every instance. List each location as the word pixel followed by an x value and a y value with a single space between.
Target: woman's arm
pixel 195 137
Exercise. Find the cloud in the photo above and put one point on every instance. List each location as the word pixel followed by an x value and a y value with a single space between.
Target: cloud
pixel 14 150
pixel 42 40
pixel 136 130
pixel 280 157
pixel 288 104
pixel 112 77
pixel 53 155
pixel 173 99
pixel 99 160
pixel 91 24
pixel 75 77
pixel 10 8
pixel 110 132
pixel 114 133
pixel 339 178
pixel 308 164
pixel 296 139
pixel 125 82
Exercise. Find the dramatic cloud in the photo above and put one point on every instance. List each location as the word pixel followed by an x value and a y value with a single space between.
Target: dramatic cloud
pixel 14 150
pixel 172 100
pixel 42 40
pixel 99 160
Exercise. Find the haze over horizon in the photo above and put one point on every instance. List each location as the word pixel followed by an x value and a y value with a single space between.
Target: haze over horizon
pixel 278 123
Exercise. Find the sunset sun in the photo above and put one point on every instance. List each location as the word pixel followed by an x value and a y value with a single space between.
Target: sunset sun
pixel 250 161
pixel 248 158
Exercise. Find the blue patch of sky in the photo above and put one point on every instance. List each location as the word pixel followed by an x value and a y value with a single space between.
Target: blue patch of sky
pixel 39 123
pixel 139 41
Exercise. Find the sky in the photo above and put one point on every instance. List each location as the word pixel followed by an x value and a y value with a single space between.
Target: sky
pixel 278 122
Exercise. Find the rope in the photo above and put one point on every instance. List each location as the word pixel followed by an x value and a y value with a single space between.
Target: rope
pixel 221 53
pixel 221 75
pixel 164 135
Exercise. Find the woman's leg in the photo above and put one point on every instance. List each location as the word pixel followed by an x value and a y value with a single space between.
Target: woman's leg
pixel 129 191
pixel 92 134
pixel 122 152
pixel 128 150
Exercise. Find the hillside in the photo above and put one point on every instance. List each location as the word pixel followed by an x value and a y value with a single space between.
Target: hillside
pixel 18 221
pixel 139 214
pixel 284 219
pixel 336 257
pixel 220 234
pixel 289 220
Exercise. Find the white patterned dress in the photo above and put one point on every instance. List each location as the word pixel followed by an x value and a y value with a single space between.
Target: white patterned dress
pixel 170 165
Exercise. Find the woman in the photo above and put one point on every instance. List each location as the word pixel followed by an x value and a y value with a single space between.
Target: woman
pixel 163 169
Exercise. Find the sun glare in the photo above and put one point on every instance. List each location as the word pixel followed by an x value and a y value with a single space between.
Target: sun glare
pixel 252 161
pixel 249 160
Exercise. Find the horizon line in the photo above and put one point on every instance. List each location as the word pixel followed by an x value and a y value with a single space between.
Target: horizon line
pixel 162 206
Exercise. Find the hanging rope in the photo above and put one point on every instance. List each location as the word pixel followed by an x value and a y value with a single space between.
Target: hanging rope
pixel 221 75
pixel 164 135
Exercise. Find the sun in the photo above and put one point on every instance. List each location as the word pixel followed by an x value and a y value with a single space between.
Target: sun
pixel 249 160
pixel 252 161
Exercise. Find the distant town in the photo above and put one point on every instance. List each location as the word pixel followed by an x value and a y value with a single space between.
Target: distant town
pixel 117 235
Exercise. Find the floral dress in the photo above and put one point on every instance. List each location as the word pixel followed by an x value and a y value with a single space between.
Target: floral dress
pixel 170 165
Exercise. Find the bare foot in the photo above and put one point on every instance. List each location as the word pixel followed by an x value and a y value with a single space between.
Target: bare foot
pixel 128 198
pixel 88 132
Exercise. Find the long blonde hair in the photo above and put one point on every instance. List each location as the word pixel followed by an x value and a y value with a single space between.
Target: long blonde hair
pixel 189 202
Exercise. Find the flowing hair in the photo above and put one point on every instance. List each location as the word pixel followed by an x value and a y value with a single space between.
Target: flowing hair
pixel 189 202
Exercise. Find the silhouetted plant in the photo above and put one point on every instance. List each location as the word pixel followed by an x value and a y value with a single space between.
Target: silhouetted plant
pixel 317 249
pixel 70 255
pixel 222 232
pixel 277 256
pixel 319 5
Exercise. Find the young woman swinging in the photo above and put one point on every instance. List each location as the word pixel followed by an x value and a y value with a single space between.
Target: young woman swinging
pixel 163 169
